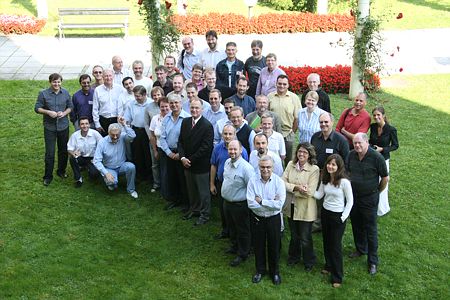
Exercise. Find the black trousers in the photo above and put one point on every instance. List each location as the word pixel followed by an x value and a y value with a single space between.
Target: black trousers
pixel 176 182
pixel 164 181
pixel 301 243
pixel 237 215
pixel 77 163
pixel 332 232
pixel 105 122
pixel 266 233
pixel 140 148
pixel 221 203
pixel 53 138
pixel 364 226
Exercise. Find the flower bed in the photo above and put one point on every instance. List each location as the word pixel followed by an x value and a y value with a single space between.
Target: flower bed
pixel 263 24
pixel 15 24
pixel 333 79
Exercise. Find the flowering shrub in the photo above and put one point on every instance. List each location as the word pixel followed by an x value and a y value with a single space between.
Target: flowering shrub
pixel 263 24
pixel 14 24
pixel 333 80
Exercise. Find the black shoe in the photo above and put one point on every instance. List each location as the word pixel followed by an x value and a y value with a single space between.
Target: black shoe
pixel 61 175
pixel 47 182
pixel 78 184
pixel 188 216
pixel 257 277
pixel 355 254
pixel 200 222
pixel 221 236
pixel 292 262
pixel 170 205
pixel 231 251
pixel 308 268
pixel 276 279
pixel 372 269
pixel 237 261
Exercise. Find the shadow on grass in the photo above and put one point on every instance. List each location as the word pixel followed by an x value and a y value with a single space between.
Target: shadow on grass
pixel 27 4
pixel 433 5
pixel 95 244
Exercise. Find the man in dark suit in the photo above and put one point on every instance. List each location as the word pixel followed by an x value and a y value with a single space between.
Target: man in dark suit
pixel 195 146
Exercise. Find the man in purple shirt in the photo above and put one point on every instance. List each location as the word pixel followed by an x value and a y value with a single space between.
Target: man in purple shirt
pixel 268 78
pixel 82 102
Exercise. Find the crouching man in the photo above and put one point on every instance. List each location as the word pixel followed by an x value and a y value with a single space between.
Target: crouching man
pixel 110 158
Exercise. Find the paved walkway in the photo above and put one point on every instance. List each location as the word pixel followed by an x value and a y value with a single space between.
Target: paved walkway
pixel 35 57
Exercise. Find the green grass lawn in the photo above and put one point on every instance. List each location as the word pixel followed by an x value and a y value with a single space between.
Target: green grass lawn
pixel 59 242
pixel 417 13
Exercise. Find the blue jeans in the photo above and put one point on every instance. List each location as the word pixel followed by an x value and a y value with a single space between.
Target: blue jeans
pixel 130 173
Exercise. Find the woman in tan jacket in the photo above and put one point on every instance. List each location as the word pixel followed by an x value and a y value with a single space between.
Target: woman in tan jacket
pixel 301 177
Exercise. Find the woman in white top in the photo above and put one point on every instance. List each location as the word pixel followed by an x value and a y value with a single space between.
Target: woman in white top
pixel 336 208
pixel 308 117
pixel 158 168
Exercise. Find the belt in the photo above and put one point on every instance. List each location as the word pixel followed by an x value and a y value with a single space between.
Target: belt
pixel 235 202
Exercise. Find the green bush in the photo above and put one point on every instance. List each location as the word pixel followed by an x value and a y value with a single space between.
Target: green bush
pixel 304 5
pixel 279 4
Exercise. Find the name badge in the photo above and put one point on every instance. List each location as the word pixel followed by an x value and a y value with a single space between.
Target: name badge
pixel 90 102
pixel 329 151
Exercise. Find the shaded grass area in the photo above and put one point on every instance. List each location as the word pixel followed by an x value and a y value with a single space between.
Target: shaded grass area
pixel 62 242
pixel 417 13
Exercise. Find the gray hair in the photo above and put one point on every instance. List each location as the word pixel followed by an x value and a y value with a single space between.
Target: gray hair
pixel 329 114
pixel 114 127
pixel 361 135
pixel 174 98
pixel 267 158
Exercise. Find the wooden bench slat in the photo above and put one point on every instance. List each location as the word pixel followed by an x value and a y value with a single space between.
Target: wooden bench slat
pixel 96 25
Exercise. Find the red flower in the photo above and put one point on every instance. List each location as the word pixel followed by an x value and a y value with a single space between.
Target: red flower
pixel 352 13
pixel 400 70
pixel 399 16
pixel 140 2
pixel 168 5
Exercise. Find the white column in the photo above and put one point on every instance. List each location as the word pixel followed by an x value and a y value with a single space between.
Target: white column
pixel 42 9
pixel 322 7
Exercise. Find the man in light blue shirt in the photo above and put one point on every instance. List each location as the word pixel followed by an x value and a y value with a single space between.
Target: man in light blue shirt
pixel 265 198
pixel 237 173
pixel 171 125
pixel 110 157
pixel 188 57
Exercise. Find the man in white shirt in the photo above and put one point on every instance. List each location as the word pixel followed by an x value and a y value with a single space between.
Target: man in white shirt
pixel 210 57
pixel 106 106
pixel 127 95
pixel 119 71
pixel 261 149
pixel 178 83
pixel 139 78
pixel 81 148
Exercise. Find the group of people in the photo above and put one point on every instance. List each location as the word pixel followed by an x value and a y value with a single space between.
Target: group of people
pixel 212 126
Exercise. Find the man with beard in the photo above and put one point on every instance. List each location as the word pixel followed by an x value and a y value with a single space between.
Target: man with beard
pixel 210 57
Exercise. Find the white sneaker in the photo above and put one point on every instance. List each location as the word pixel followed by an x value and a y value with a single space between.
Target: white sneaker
pixel 134 194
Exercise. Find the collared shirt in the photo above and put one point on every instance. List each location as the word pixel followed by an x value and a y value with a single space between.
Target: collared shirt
pixel 214 116
pixel 286 107
pixel 135 113
pixel 365 174
pixel 183 95
pixel 277 167
pixel 106 103
pixel 236 176
pixel 247 103
pixel 187 106
pixel 210 58
pixel 167 87
pixel 126 98
pixel 272 194
pixel 324 100
pixel 85 144
pixel 151 111
pixel 156 128
pixel 145 82
pixel 276 143
pixel 387 140
pixel 82 105
pixel 219 157
pixel 308 126
pixel 353 123
pixel 49 100
pixel 112 156
pixel 186 63
pixel 251 136
pixel 219 128
pixel 226 73
pixel 254 120
pixel 267 81
pixel 171 131
pixel 335 143
pixel 120 75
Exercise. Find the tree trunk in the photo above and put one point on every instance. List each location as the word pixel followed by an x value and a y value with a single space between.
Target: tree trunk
pixel 42 9
pixel 355 81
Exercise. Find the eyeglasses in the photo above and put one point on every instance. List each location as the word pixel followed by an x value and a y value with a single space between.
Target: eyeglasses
pixel 324 122
pixel 97 72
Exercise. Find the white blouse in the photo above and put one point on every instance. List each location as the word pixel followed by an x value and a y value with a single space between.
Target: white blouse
pixel 337 198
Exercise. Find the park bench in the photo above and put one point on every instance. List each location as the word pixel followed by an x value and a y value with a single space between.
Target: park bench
pixel 91 23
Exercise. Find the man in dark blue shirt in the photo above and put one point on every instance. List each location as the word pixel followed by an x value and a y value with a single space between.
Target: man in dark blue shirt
pixel 241 98
pixel 82 102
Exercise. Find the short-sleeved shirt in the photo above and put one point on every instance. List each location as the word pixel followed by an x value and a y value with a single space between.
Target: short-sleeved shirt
pixel 365 174
pixel 353 123
pixel 85 144
pixel 287 108
pixel 220 156
pixel 60 101
pixel 336 143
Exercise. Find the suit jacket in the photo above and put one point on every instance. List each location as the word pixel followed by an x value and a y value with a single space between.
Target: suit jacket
pixel 196 144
